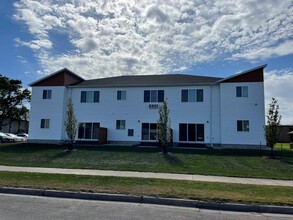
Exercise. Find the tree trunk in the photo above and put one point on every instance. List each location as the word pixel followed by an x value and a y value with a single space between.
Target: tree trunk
pixel 272 153
pixel 9 130
pixel 164 149
pixel 70 145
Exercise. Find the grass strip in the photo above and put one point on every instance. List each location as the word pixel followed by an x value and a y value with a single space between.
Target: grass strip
pixel 225 162
pixel 283 146
pixel 220 192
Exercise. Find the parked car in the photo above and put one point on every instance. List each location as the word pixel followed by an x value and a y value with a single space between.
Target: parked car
pixel 24 135
pixel 16 138
pixel 2 139
pixel 5 138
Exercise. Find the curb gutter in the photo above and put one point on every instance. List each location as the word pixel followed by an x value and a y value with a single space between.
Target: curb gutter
pixel 150 200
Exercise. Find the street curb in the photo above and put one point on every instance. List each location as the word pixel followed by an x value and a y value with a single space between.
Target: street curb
pixel 238 207
pixel 22 191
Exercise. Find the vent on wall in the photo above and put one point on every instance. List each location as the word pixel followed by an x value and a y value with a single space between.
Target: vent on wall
pixel 153 106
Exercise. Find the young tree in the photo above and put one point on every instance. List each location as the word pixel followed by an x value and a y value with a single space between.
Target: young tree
pixel 272 127
pixel 164 131
pixel 12 97
pixel 70 124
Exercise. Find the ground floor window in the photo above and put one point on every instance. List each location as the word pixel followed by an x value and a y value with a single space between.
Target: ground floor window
pixel 88 130
pixel 149 131
pixel 120 124
pixel 191 132
pixel 242 125
pixel 45 123
pixel 130 132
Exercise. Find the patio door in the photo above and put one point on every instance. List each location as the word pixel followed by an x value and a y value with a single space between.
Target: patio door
pixel 191 132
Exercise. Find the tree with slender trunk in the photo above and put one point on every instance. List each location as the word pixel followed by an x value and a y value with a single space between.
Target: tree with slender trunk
pixel 70 124
pixel 164 131
pixel 272 131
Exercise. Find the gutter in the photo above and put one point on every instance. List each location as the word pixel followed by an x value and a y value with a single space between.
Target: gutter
pixel 211 117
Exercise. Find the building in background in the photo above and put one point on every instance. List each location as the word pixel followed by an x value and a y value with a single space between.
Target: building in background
pixel 15 126
pixel 284 136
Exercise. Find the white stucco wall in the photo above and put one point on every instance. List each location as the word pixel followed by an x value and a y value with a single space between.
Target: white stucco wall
pixel 242 108
pixel 135 111
pixel 52 109
pixel 215 117
pixel 219 112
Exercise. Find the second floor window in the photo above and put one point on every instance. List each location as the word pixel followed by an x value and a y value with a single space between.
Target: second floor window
pixel 241 91
pixel 121 95
pixel 153 96
pixel 192 95
pixel 89 96
pixel 47 94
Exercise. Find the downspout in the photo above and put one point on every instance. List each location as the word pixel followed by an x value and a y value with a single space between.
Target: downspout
pixel 211 118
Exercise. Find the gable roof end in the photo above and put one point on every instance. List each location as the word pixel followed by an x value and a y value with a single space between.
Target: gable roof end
pixel 252 75
pixel 63 77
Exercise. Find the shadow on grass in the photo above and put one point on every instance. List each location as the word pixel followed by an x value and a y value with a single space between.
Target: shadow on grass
pixel 135 149
pixel 27 147
pixel 30 148
pixel 172 159
pixel 61 154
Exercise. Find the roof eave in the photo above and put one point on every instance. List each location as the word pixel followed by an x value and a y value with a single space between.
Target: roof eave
pixel 140 85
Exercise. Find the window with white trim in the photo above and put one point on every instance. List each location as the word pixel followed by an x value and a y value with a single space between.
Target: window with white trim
pixel 89 96
pixel 243 125
pixel 149 131
pixel 241 91
pixel 191 132
pixel 88 130
pixel 192 95
pixel 130 132
pixel 45 123
pixel 153 96
pixel 121 95
pixel 47 94
pixel 120 124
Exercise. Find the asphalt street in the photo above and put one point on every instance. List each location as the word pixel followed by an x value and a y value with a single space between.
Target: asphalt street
pixel 14 207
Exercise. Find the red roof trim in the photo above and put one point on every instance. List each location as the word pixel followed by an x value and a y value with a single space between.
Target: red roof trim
pixel 252 75
pixel 62 77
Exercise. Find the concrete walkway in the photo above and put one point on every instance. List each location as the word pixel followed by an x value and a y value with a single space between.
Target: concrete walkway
pixel 220 179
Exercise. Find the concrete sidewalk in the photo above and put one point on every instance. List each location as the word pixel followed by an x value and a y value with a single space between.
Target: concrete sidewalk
pixel 221 179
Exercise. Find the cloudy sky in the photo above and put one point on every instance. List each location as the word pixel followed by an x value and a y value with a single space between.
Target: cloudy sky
pixel 118 37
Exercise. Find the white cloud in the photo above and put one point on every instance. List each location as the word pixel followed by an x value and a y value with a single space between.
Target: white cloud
pixel 155 12
pixel 285 48
pixel 35 44
pixel 117 37
pixel 278 84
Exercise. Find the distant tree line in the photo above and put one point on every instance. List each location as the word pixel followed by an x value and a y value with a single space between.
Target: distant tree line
pixel 13 100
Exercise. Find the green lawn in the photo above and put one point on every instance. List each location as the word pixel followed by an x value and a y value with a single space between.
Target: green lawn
pixel 283 146
pixel 220 192
pixel 241 163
